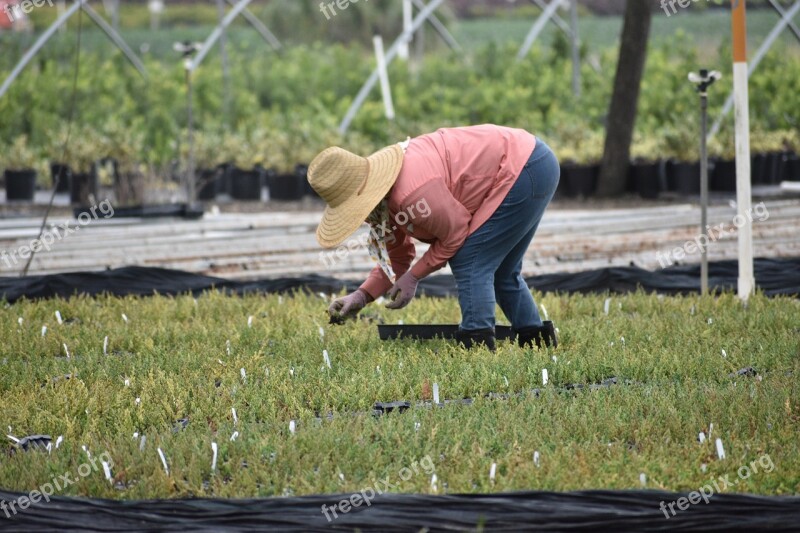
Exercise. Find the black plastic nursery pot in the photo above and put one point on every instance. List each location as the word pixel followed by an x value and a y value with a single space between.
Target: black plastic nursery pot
pixel 686 177
pixel 287 187
pixel 20 184
pixel 724 176
pixel 581 180
pixel 791 168
pixel 646 180
pixel 246 184
pixel 432 331
pixel 61 175
pixel 82 186
pixel 209 183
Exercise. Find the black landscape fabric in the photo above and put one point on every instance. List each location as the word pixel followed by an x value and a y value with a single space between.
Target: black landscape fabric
pixel 773 277
pixel 597 510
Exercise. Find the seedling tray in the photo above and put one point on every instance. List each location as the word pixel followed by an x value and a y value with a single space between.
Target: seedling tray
pixel 432 331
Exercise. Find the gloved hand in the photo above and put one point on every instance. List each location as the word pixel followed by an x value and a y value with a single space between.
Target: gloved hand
pixel 349 305
pixel 403 291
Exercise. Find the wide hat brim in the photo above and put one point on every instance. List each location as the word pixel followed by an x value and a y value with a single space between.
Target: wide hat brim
pixel 341 221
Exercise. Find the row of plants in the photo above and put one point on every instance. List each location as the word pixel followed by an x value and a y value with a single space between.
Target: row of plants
pixel 286 108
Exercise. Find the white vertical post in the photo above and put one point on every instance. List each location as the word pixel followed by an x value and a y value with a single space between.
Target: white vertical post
pixel 383 73
pixel 746 282
pixel 402 52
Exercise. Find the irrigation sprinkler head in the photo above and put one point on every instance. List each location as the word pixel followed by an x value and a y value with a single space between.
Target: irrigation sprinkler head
pixel 704 79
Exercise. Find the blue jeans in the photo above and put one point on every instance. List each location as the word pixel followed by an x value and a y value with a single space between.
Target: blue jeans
pixel 488 266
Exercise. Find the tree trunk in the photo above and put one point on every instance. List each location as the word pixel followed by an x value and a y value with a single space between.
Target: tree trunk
pixel 625 100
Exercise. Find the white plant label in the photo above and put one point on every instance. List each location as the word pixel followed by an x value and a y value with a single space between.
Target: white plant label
pixel 213 456
pixel 492 472
pixel 720 449
pixel 107 472
pixel 544 376
pixel 163 460
pixel 436 393
pixel 58 317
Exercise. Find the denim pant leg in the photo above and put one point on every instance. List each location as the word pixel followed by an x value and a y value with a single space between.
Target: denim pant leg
pixel 490 257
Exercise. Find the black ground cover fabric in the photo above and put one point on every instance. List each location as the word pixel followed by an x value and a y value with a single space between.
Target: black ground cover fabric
pixel 773 277
pixel 597 510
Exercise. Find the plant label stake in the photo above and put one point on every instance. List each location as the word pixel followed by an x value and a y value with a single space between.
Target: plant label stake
pixel 544 311
pixel 142 443
pixel 66 350
pixel 536 458
pixel 606 305
pixel 492 472
pixel 19 321
pixel 107 472
pixel 505 379
pixel 292 426
pixel 710 428
pixel 701 437
pixel 105 346
pixel 59 440
pixel 434 479
pixel 233 437
pixel 127 383
pixel 213 456
pixel 163 460
pixel 643 479
pixel 725 355
pixel 228 347
pixel 125 318
pixel 235 418
pixel 720 449
pixel 436 394
pixel 250 322
pixel 544 376
pixel 326 357
pixel 58 317
pixel 243 374
pixel 44 330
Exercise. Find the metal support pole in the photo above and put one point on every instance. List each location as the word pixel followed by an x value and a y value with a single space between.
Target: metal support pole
pixel 390 55
pixel 537 28
pixel 703 192
pixel 386 90
pixel 440 28
pixel 215 35
pixel 782 13
pixel 226 74
pixel 260 27
pixel 576 51
pixel 190 137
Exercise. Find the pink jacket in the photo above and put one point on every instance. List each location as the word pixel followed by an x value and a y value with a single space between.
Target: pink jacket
pixel 451 182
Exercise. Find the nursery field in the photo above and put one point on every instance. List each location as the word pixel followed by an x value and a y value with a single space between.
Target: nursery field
pixel 130 377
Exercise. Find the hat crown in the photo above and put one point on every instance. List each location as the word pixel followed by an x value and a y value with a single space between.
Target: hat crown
pixel 336 175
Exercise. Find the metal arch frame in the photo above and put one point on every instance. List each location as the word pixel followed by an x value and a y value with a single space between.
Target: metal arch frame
pixel 112 34
pixel 787 16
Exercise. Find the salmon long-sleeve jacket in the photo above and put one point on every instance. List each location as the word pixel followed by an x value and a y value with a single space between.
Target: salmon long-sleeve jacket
pixel 451 182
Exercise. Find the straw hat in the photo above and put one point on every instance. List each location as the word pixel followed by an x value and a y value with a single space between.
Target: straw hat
pixel 352 186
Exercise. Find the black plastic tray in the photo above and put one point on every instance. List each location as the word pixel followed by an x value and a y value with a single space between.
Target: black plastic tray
pixel 432 331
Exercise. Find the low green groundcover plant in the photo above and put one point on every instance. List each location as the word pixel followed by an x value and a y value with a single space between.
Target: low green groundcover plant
pixel 249 374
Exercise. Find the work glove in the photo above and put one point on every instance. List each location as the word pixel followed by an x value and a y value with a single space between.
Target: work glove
pixel 403 291
pixel 349 305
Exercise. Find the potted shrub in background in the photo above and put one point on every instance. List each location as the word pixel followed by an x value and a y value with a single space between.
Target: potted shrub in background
pixel 682 145
pixel 209 172
pixel 123 146
pixel 646 165
pixel 723 148
pixel 19 162
pixel 580 152
pixel 790 161
pixel 247 177
pixel 81 156
pixel 284 184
